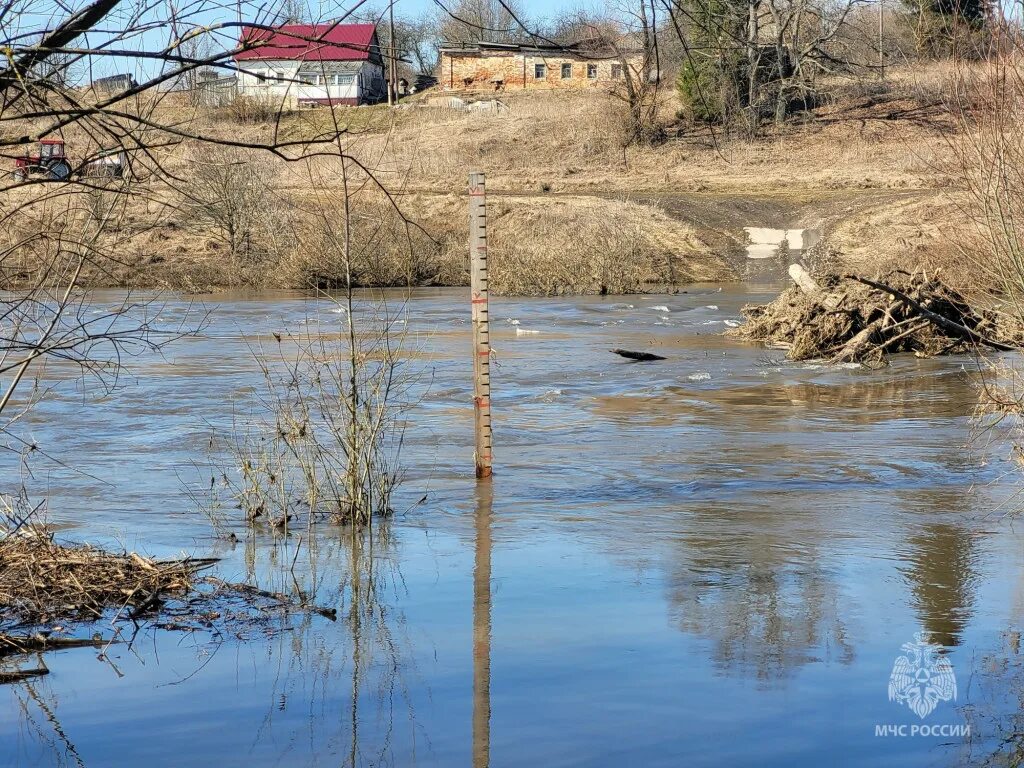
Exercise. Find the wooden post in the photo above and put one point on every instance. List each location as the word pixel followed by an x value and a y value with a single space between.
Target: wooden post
pixel 481 331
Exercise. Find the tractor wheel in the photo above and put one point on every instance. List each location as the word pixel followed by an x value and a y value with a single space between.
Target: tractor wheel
pixel 59 170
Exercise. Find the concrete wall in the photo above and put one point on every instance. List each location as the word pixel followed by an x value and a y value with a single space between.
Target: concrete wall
pixel 497 71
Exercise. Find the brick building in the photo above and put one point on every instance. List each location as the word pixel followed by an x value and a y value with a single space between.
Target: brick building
pixel 505 66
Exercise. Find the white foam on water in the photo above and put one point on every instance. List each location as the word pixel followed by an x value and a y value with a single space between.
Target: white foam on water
pixel 701 376
pixel 711 306
pixel 661 308
pixel 511 321
pixel 525 332
pixel 733 323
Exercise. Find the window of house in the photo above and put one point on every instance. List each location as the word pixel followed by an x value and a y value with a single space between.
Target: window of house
pixel 616 71
pixel 566 71
pixel 592 71
pixel 540 71
pixel 343 79
pixel 308 78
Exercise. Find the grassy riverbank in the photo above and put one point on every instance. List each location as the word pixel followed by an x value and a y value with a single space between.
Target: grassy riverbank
pixel 573 210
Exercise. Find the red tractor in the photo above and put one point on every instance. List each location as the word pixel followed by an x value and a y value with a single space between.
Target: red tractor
pixel 50 162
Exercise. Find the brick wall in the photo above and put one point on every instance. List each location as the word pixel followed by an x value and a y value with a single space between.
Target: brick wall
pixel 517 71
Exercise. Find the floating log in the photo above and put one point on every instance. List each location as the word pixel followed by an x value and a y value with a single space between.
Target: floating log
pixel 21 675
pixel 15 645
pixel 640 357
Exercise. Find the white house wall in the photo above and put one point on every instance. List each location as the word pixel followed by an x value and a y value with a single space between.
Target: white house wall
pixel 281 81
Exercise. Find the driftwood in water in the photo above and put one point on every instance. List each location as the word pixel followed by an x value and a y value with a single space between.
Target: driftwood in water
pixel 943 322
pixel 642 357
pixel 282 599
pixel 14 645
pixel 850 318
pixel 43 581
pixel 11 676
pixel 803 279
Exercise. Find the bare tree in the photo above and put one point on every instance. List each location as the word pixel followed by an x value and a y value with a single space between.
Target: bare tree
pixel 66 222
pixel 195 45
pixel 229 192
pixel 470 21
pixel 293 12
pixel 638 51
pixel 417 39
pixel 758 58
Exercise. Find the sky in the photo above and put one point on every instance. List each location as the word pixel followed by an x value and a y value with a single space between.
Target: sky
pixel 532 7
pixel 40 14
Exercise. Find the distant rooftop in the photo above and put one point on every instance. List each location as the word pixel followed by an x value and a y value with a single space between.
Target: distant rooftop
pixel 585 48
pixel 310 42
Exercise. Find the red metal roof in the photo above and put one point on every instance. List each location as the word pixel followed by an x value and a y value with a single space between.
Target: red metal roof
pixel 309 42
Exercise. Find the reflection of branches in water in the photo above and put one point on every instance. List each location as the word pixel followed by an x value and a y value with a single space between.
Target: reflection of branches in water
pixel 769 618
pixel 739 587
pixel 769 615
pixel 370 623
pixel 366 688
pixel 51 733
pixel 996 711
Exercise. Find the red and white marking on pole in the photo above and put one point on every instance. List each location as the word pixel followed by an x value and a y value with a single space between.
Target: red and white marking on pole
pixel 481 330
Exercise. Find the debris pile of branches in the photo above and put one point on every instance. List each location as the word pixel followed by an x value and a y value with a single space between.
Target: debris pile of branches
pixel 43 581
pixel 852 319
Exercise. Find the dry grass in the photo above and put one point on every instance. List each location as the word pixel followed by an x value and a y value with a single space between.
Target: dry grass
pixel 544 244
pixel 906 233
pixel 548 246
pixel 892 135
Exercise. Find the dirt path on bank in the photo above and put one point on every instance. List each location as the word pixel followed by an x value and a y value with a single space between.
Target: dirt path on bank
pixel 865 226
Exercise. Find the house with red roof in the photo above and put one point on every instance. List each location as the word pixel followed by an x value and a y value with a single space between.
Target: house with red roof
pixel 312 64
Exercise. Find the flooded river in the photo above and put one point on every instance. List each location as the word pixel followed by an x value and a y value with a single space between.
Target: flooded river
pixel 713 560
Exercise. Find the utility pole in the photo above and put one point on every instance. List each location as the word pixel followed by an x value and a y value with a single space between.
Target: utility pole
pixel 881 33
pixel 392 55
pixel 481 329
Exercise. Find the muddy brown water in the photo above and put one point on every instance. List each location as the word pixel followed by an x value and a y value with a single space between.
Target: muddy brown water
pixel 714 560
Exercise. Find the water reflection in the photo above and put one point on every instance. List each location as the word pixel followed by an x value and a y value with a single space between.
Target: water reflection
pixel 765 611
pixel 39 708
pixel 337 690
pixel 942 576
pixel 482 627
pixel 795 523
